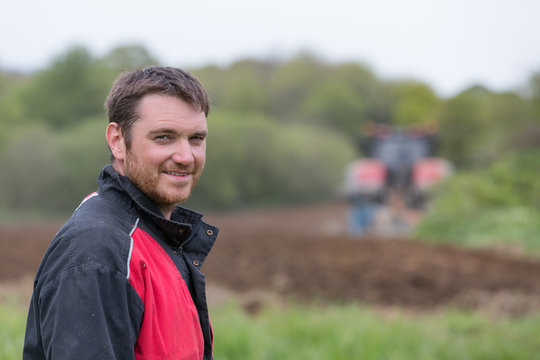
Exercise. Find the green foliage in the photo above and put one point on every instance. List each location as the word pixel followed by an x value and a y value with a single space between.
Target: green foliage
pixel 477 126
pixel 292 81
pixel 128 58
pixel 9 81
pixel 337 105
pixel 308 113
pixel 352 332
pixel 510 181
pixel 514 228
pixel 500 204
pixel 417 104
pixel 73 88
pixel 252 159
pixel 534 83
pixel 29 169
pixel 463 121
pixel 12 107
pixel 50 170
pixel 245 88
pixel 82 152
pixel 303 89
pixel 344 97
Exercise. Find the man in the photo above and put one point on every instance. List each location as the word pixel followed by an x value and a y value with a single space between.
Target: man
pixel 122 279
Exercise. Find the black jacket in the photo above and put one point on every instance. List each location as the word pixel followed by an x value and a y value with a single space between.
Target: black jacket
pixel 119 281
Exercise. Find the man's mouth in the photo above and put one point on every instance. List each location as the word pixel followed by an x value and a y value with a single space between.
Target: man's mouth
pixel 177 173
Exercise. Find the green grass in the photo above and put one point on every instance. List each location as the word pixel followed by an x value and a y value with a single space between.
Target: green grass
pixel 514 227
pixel 313 332
pixel 355 332
pixel 12 326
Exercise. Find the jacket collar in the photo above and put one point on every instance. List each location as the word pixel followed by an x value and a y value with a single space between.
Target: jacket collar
pixel 178 229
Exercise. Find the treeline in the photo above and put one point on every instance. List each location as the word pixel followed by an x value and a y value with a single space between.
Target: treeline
pixel 280 131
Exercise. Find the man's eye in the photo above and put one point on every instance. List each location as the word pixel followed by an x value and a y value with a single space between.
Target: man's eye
pixel 162 137
pixel 197 138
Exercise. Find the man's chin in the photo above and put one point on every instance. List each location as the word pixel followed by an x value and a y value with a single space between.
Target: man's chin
pixel 174 199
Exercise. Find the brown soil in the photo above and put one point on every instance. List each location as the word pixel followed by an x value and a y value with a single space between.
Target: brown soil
pixel 305 254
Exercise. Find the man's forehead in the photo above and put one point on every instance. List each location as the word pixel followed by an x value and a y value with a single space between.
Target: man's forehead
pixel 159 111
pixel 161 102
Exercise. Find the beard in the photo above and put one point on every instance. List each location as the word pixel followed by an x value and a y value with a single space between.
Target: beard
pixel 150 180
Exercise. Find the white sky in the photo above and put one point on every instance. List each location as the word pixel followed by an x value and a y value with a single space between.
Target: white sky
pixel 449 44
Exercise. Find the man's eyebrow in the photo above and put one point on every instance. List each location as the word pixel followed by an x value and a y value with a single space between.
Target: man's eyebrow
pixel 170 131
pixel 203 133
pixel 162 131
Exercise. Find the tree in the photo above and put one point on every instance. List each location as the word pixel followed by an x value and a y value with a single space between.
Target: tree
pixel 534 84
pixel 128 58
pixel 247 86
pixel 417 103
pixel 463 121
pixel 377 97
pixel 337 105
pixel 12 107
pixel 291 83
pixel 71 89
pixel 478 126
pixel 252 160
pixel 28 180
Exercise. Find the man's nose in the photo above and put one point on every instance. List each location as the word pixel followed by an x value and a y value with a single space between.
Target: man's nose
pixel 182 153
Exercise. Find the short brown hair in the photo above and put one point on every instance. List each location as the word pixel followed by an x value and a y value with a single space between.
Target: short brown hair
pixel 129 88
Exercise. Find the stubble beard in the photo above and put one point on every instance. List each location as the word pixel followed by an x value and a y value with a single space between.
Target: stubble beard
pixel 148 183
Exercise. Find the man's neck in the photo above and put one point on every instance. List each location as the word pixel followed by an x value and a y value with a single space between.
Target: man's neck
pixel 167 211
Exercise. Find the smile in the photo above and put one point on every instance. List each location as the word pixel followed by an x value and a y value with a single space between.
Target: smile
pixel 174 173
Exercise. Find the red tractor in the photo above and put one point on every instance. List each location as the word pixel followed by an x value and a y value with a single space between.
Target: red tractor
pixel 390 186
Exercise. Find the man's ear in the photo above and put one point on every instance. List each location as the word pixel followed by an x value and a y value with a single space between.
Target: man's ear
pixel 116 141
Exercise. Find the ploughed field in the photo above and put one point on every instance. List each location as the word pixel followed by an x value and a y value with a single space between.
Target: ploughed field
pixel 305 254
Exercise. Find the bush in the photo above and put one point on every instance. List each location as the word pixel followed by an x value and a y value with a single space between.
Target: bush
pixel 500 204
pixel 254 160
pixel 52 171
pixel 29 169
pixel 251 160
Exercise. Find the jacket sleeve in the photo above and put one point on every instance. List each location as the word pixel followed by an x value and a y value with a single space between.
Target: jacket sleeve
pixel 87 312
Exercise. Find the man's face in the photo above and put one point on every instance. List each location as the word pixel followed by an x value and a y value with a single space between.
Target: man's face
pixel 168 149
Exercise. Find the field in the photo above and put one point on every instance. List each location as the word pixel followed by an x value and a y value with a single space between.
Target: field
pixel 304 256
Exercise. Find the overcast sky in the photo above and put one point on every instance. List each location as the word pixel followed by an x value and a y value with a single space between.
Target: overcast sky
pixel 449 44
